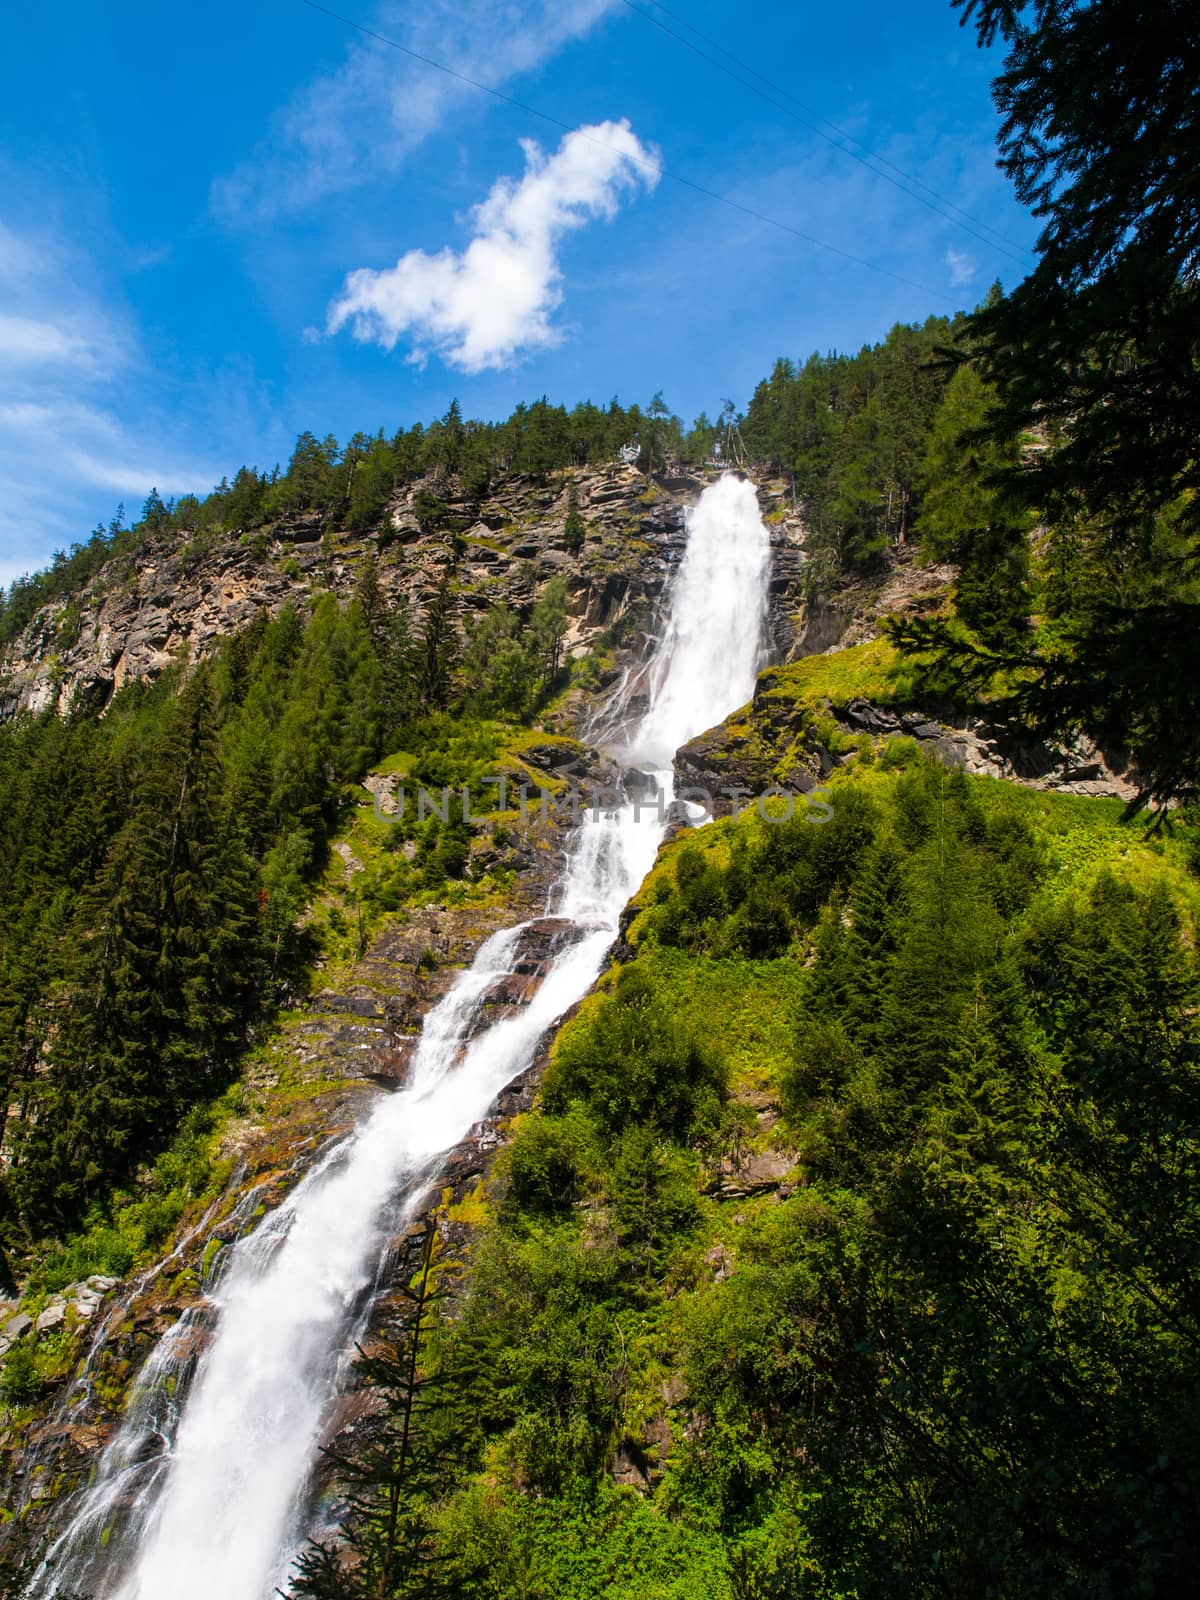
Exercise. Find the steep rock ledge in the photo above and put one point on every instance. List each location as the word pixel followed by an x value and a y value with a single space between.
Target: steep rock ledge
pixel 176 594
pixel 181 594
pixel 793 734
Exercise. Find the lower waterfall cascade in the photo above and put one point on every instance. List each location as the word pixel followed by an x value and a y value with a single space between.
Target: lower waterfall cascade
pixel 206 1495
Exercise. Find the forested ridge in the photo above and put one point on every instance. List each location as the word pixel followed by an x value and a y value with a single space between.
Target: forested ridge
pixel 228 777
pixel 851 1246
pixel 848 431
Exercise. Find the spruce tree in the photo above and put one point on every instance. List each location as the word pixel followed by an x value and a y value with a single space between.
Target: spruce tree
pixel 370 599
pixel 574 529
pixel 438 651
pixel 547 630
pixel 397 651
pixel 165 965
pixel 969 514
pixel 386 1549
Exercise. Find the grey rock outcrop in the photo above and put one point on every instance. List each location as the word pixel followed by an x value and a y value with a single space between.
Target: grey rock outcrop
pixel 179 595
pixel 17 1327
pixel 1072 766
pixel 52 1317
pixel 772 744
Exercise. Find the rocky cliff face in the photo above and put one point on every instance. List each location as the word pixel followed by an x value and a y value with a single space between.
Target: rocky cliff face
pixel 181 595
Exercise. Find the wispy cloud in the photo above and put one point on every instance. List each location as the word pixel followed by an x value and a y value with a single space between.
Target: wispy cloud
pixel 963 269
pixel 28 341
pixel 492 303
pixel 50 319
pixel 62 443
pixel 360 122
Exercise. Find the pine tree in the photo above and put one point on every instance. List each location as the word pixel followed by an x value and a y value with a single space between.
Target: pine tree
pixel 1096 350
pixel 547 630
pixel 878 913
pixel 447 441
pixel 166 966
pixel 155 516
pixel 948 934
pixel 970 517
pixel 497 666
pixel 574 529
pixel 438 651
pixel 386 1549
pixel 662 434
pixel 310 481
pixel 372 483
pixel 370 599
pixel 397 652
pixel 242 504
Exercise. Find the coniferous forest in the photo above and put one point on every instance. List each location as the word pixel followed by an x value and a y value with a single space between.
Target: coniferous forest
pixel 850 1246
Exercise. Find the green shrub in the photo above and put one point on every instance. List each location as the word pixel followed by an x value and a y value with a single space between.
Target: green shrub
pixel 431 512
pixel 653 1199
pixel 630 1059
pixel 20 1383
pixel 546 1166
pixel 825 1058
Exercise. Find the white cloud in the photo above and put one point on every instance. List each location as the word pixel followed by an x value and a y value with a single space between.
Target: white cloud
pixel 59 454
pixel 493 302
pixel 28 340
pixel 136 475
pixel 19 258
pixel 360 122
pixel 50 320
pixel 962 269
pixel 65 448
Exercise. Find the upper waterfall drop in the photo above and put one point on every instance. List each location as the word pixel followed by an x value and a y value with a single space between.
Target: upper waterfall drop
pixel 706 664
pixel 211 1503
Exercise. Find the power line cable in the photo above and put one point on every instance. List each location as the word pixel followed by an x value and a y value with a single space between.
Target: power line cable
pixel 843 140
pixel 652 166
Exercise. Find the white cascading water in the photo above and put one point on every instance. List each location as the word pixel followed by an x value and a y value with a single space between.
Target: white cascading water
pixel 217 1508
pixel 705 666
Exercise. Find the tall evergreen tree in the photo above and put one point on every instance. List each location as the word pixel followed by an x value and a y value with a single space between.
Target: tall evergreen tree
pixel 970 516
pixel 574 528
pixel 166 965
pixel 386 1550
pixel 438 646
pixel 1097 350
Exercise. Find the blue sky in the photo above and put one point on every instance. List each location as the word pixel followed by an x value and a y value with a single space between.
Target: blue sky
pixel 221 224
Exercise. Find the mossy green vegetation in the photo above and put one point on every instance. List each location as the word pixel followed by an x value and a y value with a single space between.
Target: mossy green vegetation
pixel 850 1250
pixel 873 670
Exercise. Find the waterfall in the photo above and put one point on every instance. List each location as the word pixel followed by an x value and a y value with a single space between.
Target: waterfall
pixel 208 1499
pixel 706 664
